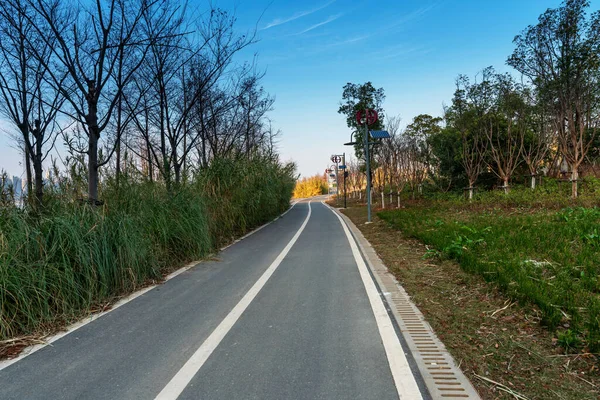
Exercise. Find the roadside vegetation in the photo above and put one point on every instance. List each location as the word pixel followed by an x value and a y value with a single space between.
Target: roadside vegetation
pixel 500 343
pixel 536 252
pixel 489 215
pixel 74 257
pixel 310 186
pixel 167 152
pixel 506 181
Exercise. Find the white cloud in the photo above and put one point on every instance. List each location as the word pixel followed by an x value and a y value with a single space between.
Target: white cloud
pixel 281 21
pixel 328 20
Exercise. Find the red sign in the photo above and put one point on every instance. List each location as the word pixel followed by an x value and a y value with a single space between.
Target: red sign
pixel 370 114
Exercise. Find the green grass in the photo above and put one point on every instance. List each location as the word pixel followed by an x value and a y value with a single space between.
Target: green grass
pixel 56 265
pixel 534 250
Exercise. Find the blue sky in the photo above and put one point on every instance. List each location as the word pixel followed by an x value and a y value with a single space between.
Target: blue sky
pixel 414 49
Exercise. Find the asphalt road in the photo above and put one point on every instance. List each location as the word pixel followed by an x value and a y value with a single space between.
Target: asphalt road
pixel 286 313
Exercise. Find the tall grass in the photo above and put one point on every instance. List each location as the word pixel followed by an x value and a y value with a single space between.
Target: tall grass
pixel 56 265
pixel 542 255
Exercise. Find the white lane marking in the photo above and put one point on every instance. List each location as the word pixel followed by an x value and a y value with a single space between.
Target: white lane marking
pixel 406 385
pixel 183 377
pixel 73 327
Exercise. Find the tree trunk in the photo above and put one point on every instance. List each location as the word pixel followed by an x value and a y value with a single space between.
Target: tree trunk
pixel 93 164
pixel 505 185
pixel 39 180
pixel 470 190
pixel 28 171
pixel 532 181
pixel 398 199
pixel 94 137
pixel 382 200
pixel 37 166
pixel 574 177
pixel 149 150
pixel 118 145
pixel 177 168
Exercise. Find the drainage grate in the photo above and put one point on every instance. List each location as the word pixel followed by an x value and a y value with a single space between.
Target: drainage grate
pixel 443 377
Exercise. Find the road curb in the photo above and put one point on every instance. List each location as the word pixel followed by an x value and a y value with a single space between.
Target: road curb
pixel 441 374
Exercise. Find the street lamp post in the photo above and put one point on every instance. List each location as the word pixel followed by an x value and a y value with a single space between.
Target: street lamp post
pixel 370 117
pixel 368 162
pixel 345 174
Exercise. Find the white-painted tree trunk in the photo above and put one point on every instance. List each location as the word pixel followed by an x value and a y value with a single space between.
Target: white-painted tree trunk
pixel 382 200
pixel 574 178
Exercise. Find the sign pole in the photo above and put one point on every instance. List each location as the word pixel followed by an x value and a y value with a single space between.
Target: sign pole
pixel 368 162
pixel 337 181
pixel 345 172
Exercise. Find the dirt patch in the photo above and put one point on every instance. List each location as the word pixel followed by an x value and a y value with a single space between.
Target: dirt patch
pixel 492 338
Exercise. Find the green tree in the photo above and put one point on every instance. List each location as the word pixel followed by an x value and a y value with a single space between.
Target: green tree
pixel 418 135
pixel 358 97
pixel 448 171
pixel 561 56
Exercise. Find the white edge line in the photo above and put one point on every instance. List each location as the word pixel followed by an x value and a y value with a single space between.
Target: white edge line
pixel 405 382
pixel 73 327
pixel 182 378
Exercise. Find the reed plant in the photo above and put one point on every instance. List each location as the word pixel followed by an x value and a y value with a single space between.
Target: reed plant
pixel 58 263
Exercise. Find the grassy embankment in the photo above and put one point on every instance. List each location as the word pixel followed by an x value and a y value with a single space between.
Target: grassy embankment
pixel 537 246
pixel 57 266
pixel 491 336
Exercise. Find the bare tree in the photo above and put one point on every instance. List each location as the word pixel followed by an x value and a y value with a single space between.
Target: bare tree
pixel 183 75
pixel 26 99
pixel 99 48
pixel 401 164
pixel 505 126
pixel 469 107
pixel 539 135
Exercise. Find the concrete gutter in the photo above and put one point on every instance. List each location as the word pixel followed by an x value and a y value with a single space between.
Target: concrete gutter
pixel 442 376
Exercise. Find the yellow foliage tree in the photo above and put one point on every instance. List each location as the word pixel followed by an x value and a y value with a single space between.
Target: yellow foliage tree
pixel 311 186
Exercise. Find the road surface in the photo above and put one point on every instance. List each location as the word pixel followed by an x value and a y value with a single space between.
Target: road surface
pixel 290 312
